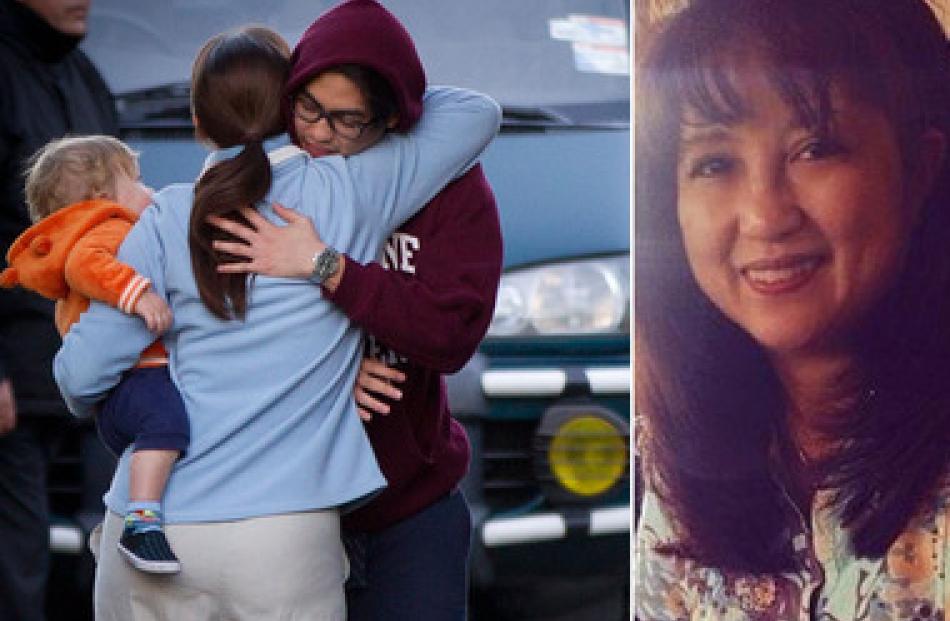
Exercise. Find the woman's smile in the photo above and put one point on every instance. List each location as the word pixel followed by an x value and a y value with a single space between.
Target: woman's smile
pixel 782 275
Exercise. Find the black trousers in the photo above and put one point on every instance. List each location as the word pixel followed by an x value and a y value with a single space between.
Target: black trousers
pixel 24 520
pixel 415 570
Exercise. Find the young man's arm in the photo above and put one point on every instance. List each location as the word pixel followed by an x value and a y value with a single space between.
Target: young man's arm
pixel 434 303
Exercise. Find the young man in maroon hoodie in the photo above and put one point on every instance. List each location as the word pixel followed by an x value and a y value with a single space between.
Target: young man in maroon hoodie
pixel 426 307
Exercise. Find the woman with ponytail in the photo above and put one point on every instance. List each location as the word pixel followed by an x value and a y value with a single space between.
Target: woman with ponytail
pixel 277 446
pixel 237 116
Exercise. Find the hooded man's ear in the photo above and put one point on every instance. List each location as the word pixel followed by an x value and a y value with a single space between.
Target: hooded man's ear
pixel 392 121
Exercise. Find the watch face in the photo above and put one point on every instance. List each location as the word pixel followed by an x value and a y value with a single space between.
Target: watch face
pixel 324 265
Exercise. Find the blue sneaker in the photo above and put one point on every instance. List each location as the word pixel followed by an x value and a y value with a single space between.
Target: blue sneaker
pixel 149 551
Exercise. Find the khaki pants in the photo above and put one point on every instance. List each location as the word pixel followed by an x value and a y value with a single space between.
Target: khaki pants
pixel 282 567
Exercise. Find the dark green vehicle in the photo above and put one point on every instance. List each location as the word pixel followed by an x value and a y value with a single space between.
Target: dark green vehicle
pixel 546 400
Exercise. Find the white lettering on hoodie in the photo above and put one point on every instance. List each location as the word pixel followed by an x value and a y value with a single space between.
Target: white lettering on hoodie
pixel 399 255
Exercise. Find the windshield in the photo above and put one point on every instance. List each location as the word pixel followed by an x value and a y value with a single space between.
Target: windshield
pixel 561 60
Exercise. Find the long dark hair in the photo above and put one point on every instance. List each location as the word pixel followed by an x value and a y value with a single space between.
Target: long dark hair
pixel 236 85
pixel 713 408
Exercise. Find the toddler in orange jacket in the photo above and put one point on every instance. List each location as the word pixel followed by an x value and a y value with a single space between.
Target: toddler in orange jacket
pixel 84 195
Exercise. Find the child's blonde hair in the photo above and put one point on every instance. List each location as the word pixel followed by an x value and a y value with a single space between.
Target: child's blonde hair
pixel 73 169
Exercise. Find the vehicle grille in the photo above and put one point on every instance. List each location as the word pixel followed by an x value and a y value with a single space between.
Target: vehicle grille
pixel 507 463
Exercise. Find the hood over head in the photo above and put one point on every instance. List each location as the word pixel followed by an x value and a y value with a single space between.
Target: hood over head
pixel 361 32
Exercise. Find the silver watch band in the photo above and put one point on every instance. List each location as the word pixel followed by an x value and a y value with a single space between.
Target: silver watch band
pixel 325 264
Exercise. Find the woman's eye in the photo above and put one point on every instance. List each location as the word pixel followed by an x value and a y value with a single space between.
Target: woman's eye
pixel 710 166
pixel 818 149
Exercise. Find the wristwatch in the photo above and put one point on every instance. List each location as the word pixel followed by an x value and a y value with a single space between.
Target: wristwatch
pixel 325 264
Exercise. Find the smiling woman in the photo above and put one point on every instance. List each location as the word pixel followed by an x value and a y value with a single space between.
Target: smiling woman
pixel 790 328
pixel 793 231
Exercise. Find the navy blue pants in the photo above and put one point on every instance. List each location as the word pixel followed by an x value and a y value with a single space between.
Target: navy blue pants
pixel 145 410
pixel 415 570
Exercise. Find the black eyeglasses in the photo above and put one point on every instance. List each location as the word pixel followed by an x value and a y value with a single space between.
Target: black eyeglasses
pixel 344 123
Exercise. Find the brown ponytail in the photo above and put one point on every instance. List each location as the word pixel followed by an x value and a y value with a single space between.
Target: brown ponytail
pixel 235 91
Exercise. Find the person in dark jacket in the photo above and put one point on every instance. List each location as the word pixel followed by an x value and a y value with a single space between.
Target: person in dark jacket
pixel 48 88
pixel 426 307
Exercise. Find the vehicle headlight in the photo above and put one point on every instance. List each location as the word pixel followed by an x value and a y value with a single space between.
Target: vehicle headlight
pixel 581 452
pixel 584 296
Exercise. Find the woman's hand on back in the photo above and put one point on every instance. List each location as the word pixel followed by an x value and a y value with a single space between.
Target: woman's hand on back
pixel 280 251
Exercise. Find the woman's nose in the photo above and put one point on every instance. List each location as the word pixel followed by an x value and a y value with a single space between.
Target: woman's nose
pixel 770 209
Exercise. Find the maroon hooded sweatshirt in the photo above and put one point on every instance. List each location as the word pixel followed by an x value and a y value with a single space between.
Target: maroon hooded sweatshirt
pixel 428 305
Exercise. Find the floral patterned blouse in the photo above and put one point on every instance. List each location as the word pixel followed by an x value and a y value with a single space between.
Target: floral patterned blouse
pixel 910 583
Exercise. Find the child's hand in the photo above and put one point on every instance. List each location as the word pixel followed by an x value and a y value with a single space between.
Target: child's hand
pixel 375 378
pixel 155 312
